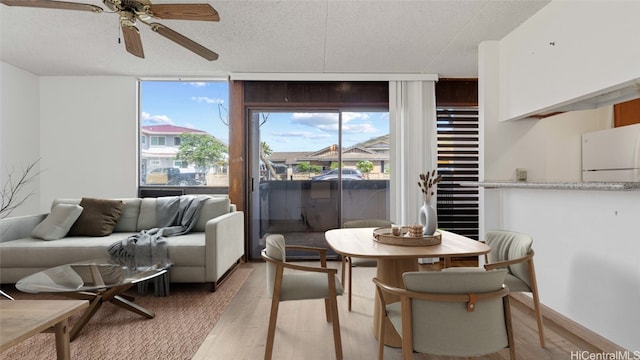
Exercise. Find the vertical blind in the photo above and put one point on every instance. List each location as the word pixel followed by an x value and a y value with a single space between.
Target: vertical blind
pixel 458 162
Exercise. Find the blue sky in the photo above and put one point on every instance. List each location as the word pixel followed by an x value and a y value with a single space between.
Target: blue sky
pixel 200 105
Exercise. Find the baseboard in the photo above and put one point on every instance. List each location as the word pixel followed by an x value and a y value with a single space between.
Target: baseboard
pixel 569 328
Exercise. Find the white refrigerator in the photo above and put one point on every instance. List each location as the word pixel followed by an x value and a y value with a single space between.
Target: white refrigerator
pixel 611 155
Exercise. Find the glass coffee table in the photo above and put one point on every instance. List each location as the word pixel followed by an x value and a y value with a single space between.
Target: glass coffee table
pixel 98 281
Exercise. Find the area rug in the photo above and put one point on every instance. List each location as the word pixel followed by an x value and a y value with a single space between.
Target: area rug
pixel 182 322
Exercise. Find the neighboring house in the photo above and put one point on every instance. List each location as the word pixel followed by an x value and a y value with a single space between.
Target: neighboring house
pixel 376 151
pixel 159 145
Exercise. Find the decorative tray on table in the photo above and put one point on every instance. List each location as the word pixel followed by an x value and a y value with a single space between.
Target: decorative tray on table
pixel 385 236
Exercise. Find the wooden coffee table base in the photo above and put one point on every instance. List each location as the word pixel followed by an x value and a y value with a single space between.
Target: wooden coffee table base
pixel 114 295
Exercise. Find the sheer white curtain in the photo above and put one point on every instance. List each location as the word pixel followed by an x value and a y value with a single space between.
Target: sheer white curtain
pixel 412 116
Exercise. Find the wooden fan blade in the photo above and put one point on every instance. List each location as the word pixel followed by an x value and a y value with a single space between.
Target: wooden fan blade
pixel 203 12
pixel 132 40
pixel 184 41
pixel 49 4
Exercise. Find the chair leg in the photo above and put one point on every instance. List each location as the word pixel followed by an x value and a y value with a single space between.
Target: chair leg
pixel 381 333
pixel 536 302
pixel 337 340
pixel 327 309
pixel 509 325
pixel 350 282
pixel 273 317
pixel 407 328
pixel 536 305
pixel 343 263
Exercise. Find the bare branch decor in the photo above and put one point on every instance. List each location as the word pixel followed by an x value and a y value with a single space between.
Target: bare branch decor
pixel 13 188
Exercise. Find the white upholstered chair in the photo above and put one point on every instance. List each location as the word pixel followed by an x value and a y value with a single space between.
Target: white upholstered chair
pixel 359 261
pixel 512 251
pixel 460 313
pixel 300 282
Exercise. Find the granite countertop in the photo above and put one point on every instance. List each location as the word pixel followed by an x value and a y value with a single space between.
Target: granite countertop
pixel 612 186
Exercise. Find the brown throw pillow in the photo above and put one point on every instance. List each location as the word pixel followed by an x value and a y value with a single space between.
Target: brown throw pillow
pixel 98 218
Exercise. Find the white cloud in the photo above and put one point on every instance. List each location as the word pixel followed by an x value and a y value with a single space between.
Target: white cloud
pixel 207 100
pixel 329 122
pixel 302 134
pixel 350 116
pixel 198 84
pixel 358 128
pixel 321 121
pixel 156 119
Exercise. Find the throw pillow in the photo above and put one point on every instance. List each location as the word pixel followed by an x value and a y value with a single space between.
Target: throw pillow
pixel 57 224
pixel 98 218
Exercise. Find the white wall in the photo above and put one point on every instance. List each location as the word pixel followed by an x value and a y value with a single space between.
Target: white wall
pixel 595 47
pixel 550 148
pixel 19 131
pixel 587 254
pixel 586 242
pixel 88 138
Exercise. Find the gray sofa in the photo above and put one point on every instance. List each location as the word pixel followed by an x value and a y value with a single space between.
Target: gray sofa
pixel 206 254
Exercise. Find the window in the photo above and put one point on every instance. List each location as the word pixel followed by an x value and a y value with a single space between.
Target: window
pixel 157 140
pixel 187 128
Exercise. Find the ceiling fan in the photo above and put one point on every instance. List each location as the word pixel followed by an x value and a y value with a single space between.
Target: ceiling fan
pixel 134 11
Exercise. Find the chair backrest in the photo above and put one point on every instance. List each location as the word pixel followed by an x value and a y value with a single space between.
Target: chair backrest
pixel 448 328
pixel 276 248
pixel 509 245
pixel 367 223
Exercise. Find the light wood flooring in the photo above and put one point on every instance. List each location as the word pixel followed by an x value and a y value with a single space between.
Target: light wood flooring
pixel 303 333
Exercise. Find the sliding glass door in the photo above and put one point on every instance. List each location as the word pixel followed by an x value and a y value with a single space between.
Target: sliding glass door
pixel 312 170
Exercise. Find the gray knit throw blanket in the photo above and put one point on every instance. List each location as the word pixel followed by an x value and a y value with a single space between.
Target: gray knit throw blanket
pixel 176 215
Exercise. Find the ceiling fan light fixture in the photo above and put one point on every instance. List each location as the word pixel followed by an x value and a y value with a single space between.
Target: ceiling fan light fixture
pixel 144 16
pixel 127 18
pixel 113 5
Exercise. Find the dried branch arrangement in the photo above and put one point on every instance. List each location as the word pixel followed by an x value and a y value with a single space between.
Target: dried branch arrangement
pixel 427 182
pixel 11 195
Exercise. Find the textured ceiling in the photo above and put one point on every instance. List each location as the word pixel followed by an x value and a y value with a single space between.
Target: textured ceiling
pixel 327 36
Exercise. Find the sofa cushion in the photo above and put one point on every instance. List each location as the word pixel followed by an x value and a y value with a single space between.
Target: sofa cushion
pixel 183 250
pixel 129 217
pixel 212 208
pixel 57 224
pixel 34 253
pixel 98 218
pixel 147 218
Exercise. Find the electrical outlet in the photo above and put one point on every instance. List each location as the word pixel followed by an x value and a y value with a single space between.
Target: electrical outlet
pixel 521 174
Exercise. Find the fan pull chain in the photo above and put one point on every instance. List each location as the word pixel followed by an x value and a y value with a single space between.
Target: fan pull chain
pixel 119 34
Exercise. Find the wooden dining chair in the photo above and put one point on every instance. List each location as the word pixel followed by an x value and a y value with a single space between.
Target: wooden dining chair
pixel 300 282
pixel 512 251
pixel 360 261
pixel 460 313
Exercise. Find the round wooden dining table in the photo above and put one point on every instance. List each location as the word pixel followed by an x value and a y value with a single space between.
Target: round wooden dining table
pixel 394 260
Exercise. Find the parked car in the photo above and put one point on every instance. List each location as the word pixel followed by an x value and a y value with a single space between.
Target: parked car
pixel 172 176
pixel 347 174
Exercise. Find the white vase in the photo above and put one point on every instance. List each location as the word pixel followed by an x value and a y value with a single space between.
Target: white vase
pixel 428 218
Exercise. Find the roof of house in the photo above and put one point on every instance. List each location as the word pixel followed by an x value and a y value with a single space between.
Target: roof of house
pixel 329 153
pixel 169 129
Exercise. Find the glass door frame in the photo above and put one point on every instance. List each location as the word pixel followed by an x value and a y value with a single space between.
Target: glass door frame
pixel 253 168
